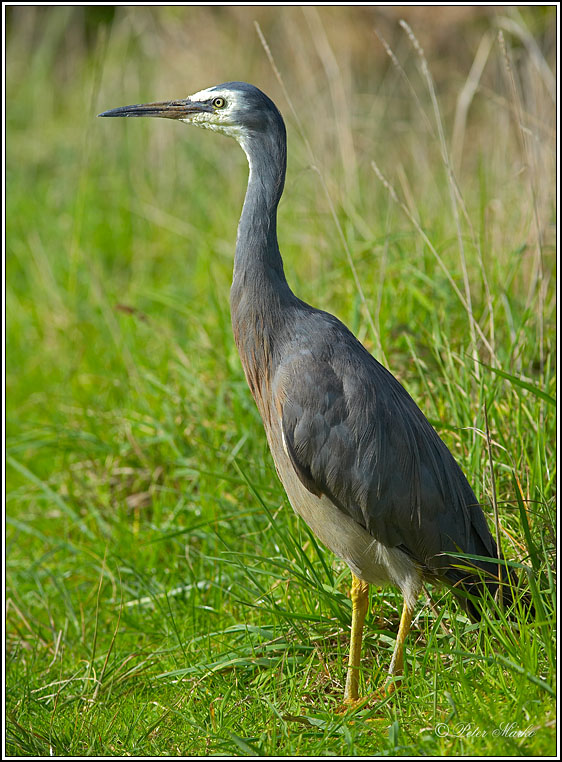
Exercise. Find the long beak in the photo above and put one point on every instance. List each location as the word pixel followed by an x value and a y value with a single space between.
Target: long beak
pixel 181 109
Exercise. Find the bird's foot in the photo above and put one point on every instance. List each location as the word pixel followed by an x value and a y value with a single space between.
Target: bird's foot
pixel 352 704
pixel 380 696
pixel 390 687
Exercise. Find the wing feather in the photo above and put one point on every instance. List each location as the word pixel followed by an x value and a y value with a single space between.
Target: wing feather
pixel 354 434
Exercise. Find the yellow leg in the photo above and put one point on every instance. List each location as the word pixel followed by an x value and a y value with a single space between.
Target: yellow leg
pixel 397 661
pixel 359 605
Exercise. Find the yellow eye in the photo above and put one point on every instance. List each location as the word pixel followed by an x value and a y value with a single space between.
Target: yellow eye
pixel 219 103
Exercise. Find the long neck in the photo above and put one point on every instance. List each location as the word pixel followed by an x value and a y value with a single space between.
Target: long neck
pixel 260 294
pixel 257 262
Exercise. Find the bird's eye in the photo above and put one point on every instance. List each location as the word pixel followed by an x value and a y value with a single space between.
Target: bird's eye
pixel 219 102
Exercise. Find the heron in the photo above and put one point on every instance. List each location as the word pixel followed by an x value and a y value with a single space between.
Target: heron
pixel 358 460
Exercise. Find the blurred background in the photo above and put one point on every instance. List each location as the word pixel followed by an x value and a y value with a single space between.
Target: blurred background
pixel 137 466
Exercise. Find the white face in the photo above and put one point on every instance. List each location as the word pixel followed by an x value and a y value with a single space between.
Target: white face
pixel 222 105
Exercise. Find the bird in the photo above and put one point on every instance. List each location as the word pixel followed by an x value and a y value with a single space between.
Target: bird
pixel 358 460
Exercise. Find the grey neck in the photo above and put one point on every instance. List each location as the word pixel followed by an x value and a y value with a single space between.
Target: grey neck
pixel 261 302
pixel 257 261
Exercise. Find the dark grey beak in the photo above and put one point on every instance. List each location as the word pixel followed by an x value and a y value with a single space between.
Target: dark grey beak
pixel 181 109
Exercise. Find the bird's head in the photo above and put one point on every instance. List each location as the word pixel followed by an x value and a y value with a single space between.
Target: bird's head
pixel 236 109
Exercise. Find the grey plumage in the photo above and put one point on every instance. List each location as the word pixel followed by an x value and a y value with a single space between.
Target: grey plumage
pixel 358 459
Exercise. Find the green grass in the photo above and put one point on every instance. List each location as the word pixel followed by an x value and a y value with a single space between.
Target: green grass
pixel 162 597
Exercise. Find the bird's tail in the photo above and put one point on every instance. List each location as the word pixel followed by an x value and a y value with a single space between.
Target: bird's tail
pixel 476 582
